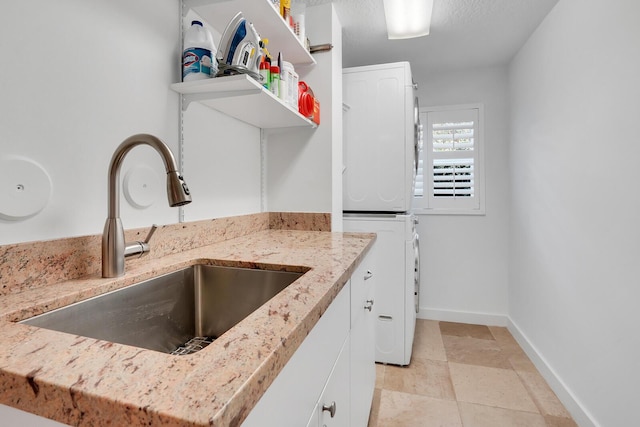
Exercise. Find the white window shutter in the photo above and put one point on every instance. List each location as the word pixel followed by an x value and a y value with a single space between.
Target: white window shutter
pixel 453 178
pixel 419 190
pixel 450 169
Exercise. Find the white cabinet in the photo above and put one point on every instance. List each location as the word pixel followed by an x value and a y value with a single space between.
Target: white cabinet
pixel 363 370
pixel 314 421
pixel 15 417
pixel 294 394
pixel 241 96
pixel 333 367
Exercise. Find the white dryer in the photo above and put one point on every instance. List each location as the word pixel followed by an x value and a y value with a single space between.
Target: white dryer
pixel 396 268
pixel 381 138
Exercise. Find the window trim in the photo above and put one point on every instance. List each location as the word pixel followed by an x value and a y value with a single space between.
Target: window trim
pixel 421 204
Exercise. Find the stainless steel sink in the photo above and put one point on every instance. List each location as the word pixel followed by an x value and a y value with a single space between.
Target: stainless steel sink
pixel 177 313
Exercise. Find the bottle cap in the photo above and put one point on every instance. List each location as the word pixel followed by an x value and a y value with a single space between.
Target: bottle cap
pixel 264 65
pixel 196 23
pixel 275 69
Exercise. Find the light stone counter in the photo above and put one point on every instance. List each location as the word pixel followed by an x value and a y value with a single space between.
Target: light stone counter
pixel 84 381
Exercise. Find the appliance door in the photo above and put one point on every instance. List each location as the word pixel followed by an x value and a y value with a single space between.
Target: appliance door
pixel 416 275
pixel 379 140
pixel 394 266
pixel 412 283
pixel 417 135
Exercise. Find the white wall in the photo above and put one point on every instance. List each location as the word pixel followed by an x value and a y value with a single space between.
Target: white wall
pixel 304 170
pixel 575 233
pixel 476 290
pixel 80 77
pixel 77 79
pixel 222 163
pixel 221 157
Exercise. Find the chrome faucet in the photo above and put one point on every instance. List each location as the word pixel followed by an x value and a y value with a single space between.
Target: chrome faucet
pixel 114 247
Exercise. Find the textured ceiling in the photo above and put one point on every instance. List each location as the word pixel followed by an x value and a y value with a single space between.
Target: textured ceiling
pixel 464 33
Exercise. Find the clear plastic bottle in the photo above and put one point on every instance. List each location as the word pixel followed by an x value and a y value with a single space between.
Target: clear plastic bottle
pixel 198 56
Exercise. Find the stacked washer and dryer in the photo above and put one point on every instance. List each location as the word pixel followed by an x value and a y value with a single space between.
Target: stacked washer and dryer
pixel 381 147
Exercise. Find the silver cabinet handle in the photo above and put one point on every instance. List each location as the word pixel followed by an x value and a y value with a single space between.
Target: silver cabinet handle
pixel 331 408
pixel 368 275
pixel 369 305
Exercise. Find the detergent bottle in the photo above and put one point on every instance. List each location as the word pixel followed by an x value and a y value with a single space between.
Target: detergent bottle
pixel 199 54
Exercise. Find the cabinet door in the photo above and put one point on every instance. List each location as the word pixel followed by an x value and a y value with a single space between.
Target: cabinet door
pixel 363 370
pixel 15 417
pixel 292 396
pixel 334 405
pixel 314 421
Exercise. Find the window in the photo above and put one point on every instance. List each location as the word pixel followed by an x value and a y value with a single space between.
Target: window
pixel 450 166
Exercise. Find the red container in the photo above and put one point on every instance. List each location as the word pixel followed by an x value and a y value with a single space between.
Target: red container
pixel 305 100
pixel 316 111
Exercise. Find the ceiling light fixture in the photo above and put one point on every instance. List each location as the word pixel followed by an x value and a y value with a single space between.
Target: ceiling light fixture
pixel 408 18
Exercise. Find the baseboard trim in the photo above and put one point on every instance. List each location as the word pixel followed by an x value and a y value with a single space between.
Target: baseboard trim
pixel 580 415
pixel 491 319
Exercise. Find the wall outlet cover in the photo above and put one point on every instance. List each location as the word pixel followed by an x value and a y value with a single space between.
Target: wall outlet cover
pixel 25 188
pixel 141 186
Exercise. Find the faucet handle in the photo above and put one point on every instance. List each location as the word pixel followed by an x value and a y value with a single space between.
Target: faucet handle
pixel 145 245
pixel 140 248
pixel 154 227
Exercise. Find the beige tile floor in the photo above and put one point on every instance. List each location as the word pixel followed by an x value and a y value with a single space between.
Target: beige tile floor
pixel 466 376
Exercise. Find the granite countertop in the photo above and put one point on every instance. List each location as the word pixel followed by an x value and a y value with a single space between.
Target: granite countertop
pixel 84 381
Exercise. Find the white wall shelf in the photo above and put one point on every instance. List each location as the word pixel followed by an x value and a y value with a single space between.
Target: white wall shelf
pixel 265 18
pixel 243 98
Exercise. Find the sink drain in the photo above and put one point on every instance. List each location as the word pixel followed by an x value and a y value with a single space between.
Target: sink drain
pixel 194 345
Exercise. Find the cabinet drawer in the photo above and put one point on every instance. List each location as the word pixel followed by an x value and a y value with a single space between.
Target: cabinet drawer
pixel 362 289
pixel 334 406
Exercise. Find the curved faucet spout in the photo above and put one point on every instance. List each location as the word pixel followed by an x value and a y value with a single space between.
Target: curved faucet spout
pixel 114 246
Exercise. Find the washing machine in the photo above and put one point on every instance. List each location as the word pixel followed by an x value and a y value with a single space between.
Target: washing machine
pixel 396 266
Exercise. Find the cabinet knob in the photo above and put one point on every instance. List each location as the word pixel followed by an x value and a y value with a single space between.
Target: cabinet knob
pixel 368 305
pixel 331 408
pixel 368 275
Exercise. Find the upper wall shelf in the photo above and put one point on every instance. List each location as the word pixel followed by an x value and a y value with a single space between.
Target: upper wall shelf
pixel 241 96
pixel 245 99
pixel 265 18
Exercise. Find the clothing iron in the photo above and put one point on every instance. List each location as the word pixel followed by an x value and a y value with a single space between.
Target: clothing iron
pixel 240 48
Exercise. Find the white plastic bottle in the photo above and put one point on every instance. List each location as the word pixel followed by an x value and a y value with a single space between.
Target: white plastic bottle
pixel 198 56
pixel 289 84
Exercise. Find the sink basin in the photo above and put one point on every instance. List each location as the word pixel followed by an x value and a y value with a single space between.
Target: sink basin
pixel 177 313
